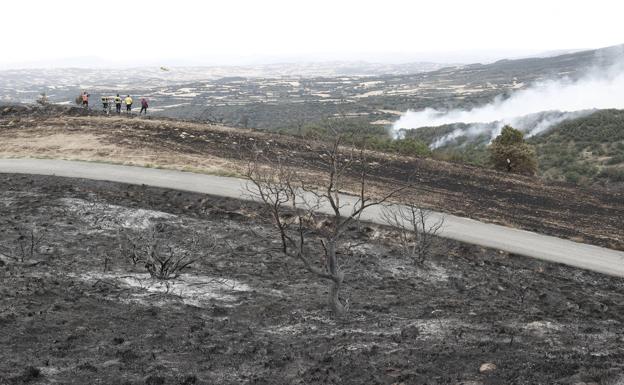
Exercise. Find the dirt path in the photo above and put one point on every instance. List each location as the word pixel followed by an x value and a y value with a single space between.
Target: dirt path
pixel 466 230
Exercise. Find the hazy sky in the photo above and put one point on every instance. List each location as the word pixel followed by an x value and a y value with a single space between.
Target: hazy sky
pixel 236 31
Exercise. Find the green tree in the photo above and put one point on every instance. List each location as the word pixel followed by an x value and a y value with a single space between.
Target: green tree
pixel 509 152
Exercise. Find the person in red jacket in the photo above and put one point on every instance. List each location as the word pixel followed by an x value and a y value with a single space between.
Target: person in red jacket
pixel 85 100
pixel 143 106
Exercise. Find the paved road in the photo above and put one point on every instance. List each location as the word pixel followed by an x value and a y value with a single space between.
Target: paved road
pixel 462 229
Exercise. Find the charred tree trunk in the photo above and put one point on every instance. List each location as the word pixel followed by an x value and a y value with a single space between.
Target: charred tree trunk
pixel 334 296
pixel 336 281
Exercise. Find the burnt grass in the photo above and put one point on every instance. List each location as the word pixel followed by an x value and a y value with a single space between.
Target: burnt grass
pixel 69 316
pixel 588 214
pixel 592 215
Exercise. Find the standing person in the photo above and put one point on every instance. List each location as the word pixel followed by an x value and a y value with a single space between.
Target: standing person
pixel 106 104
pixel 118 104
pixel 128 101
pixel 144 106
pixel 85 100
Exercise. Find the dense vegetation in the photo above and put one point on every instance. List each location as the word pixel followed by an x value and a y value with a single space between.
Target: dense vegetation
pixel 584 150
pixel 358 132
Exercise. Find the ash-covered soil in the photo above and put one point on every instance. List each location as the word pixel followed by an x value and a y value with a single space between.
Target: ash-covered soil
pixel 74 309
pixel 591 215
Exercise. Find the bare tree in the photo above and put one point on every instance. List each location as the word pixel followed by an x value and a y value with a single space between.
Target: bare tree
pixel 416 229
pixel 293 205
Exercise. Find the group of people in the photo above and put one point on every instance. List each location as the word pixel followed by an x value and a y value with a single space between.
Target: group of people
pixel 107 103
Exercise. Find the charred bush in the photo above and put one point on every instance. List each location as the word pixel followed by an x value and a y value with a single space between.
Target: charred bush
pixel 416 230
pixel 162 257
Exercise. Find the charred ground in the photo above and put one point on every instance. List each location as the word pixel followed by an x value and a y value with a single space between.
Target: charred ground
pixel 77 311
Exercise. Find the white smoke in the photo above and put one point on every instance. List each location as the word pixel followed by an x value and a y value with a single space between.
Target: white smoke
pixel 599 89
pixel 532 124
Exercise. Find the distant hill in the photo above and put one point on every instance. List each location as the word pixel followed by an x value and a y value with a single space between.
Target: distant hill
pixel 571 65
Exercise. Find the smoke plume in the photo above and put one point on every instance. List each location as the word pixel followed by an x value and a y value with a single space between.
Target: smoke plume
pixel 562 99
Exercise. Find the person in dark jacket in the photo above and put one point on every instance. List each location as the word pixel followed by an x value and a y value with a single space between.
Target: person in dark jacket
pixel 144 106
pixel 106 105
